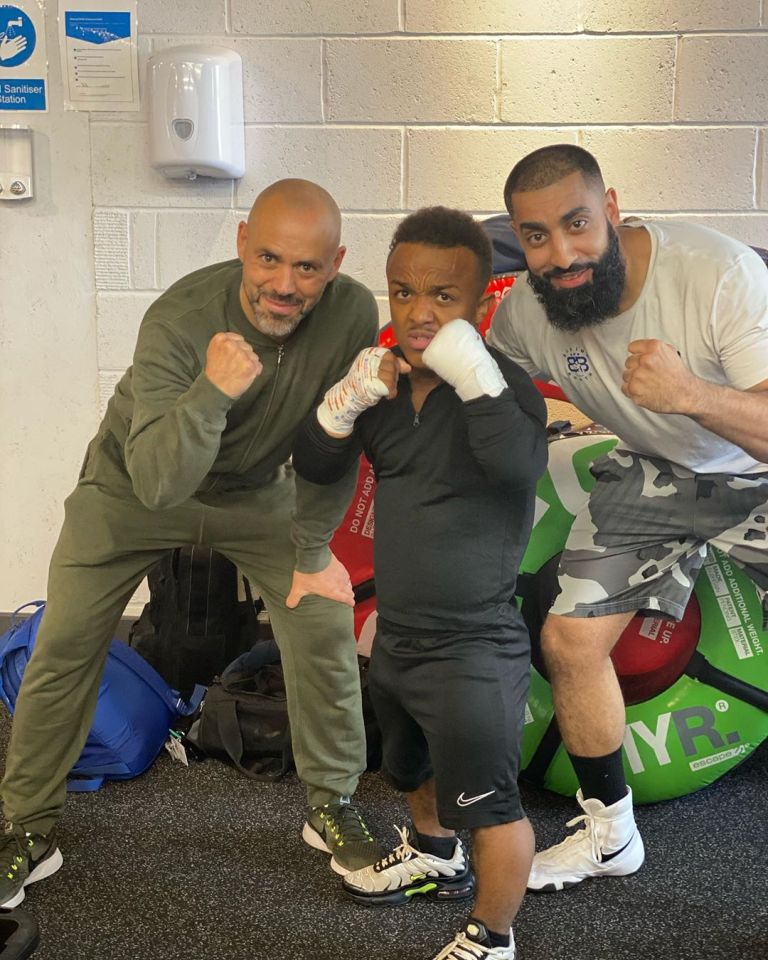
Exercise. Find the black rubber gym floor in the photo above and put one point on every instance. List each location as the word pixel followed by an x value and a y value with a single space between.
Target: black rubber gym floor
pixel 202 864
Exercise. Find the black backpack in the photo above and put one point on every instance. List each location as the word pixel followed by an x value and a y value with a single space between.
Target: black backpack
pixel 194 624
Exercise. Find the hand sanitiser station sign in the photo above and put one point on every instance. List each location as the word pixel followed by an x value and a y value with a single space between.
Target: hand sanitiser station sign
pixel 23 60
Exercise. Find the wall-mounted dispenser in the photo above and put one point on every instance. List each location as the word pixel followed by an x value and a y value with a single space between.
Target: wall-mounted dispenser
pixel 15 163
pixel 196 112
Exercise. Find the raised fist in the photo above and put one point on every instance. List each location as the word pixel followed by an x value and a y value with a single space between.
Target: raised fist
pixel 231 364
pixel 389 370
pixel 656 378
pixel 372 377
pixel 457 354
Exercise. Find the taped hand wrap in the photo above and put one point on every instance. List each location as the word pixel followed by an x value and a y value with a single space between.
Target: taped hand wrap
pixel 458 355
pixel 360 389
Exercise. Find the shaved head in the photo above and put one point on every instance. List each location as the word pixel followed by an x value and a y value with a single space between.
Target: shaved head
pixel 298 197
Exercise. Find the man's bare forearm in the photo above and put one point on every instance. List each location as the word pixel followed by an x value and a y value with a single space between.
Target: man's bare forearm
pixel 740 416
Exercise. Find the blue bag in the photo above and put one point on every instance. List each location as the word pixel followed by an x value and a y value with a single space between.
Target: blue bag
pixel 135 710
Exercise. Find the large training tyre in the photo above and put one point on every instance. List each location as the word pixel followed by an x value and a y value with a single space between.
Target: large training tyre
pixel 697 691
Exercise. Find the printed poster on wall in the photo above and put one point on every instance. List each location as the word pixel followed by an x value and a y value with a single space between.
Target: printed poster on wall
pixel 99 61
pixel 23 60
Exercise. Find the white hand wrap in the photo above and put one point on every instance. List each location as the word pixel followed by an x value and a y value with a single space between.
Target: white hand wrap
pixel 458 355
pixel 360 389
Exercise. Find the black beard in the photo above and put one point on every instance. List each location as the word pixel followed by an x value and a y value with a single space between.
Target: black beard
pixel 590 304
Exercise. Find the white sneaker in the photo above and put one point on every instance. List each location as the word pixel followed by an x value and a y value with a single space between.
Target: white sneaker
pixel 608 845
pixel 469 945
pixel 407 873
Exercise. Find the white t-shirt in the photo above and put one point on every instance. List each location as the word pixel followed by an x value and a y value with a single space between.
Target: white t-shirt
pixel 706 294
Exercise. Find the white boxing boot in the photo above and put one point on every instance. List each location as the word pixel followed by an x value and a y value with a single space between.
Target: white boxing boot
pixel 607 845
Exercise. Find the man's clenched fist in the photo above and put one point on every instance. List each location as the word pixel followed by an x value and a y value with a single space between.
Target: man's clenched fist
pixel 390 368
pixel 231 364
pixel 656 378
pixel 457 355
pixel 372 376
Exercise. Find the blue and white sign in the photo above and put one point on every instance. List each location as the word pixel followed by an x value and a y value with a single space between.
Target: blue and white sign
pixel 98 27
pixel 23 61
pixel 98 54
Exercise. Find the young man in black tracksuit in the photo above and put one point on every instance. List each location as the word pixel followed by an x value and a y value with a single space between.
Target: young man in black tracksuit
pixel 456 435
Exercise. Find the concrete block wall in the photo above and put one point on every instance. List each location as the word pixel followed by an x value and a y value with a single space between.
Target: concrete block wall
pixel 394 104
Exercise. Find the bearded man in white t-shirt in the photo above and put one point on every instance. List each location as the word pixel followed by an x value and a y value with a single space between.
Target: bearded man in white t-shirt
pixel 659 331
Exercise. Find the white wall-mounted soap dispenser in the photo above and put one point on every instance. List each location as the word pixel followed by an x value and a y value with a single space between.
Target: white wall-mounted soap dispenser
pixel 15 164
pixel 196 112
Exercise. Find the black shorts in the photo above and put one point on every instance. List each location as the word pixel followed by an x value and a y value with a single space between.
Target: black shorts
pixel 453 708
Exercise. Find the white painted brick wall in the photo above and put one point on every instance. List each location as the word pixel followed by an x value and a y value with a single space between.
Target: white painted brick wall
pixel 682 168
pixel 723 78
pixel 649 16
pixel 189 239
pixel 367 242
pixel 119 316
pixel 360 166
pixel 587 80
pixel 411 80
pixel 282 80
pixel 762 171
pixel 491 16
pixel 390 104
pixel 314 17
pixel 199 17
pixel 143 229
pixel 468 168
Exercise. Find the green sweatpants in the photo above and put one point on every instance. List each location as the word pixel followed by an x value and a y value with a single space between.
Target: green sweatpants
pixel 107 544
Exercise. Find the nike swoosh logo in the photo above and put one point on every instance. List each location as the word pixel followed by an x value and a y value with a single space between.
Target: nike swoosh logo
pixel 463 801
pixel 606 857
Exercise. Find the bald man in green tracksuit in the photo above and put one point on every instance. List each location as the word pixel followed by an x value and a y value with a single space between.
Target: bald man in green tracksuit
pixel 194 448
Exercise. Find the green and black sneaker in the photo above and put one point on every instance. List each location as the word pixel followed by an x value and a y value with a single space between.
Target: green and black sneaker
pixel 24 859
pixel 338 829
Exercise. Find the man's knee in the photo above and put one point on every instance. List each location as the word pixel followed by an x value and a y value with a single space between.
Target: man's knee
pixel 576 643
pixel 559 647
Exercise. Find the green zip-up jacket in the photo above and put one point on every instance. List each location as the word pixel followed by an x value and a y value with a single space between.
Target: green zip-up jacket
pixel 182 436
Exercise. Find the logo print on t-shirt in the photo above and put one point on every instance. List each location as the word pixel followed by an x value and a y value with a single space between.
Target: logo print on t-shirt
pixel 577 363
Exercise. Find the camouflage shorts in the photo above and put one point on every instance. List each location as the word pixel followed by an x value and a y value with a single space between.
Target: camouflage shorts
pixel 641 538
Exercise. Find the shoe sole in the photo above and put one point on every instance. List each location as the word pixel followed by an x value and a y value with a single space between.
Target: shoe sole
pixel 45 868
pixel 315 840
pixel 569 884
pixel 442 892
